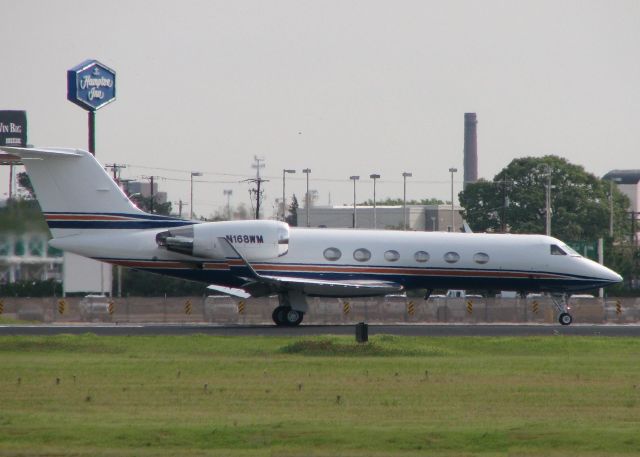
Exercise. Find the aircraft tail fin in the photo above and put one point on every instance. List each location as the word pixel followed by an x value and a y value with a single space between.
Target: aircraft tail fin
pixel 77 195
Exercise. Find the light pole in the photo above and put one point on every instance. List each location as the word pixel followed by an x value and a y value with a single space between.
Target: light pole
pixel 452 170
pixel 355 220
pixel 405 175
pixel 227 193
pixel 375 220
pixel 306 171
pixel 284 198
pixel 193 173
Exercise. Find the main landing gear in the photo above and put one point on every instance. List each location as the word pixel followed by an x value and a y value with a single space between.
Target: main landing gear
pixel 287 316
pixel 293 305
pixel 562 306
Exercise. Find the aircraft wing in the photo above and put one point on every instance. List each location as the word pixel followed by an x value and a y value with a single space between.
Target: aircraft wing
pixel 328 288
pixel 260 285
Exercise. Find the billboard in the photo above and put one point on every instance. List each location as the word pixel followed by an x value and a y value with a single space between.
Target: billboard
pixel 13 128
pixel 91 85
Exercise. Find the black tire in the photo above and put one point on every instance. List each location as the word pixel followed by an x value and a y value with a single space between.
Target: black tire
pixel 565 319
pixel 278 315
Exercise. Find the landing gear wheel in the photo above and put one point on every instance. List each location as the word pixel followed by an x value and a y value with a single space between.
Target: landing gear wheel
pixel 293 317
pixel 565 318
pixel 278 315
pixel 284 315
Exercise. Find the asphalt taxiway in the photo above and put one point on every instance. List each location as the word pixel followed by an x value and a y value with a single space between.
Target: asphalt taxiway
pixel 521 330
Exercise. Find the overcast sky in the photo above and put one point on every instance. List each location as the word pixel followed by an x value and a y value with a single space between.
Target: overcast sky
pixel 341 87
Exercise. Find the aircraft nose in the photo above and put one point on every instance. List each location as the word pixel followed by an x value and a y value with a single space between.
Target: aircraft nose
pixel 610 275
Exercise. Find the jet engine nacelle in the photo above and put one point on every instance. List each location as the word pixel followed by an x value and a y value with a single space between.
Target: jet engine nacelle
pixel 255 240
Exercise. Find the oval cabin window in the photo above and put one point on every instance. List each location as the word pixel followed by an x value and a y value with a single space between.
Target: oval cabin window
pixel 391 255
pixel 481 258
pixel 451 257
pixel 421 256
pixel 332 254
pixel 361 255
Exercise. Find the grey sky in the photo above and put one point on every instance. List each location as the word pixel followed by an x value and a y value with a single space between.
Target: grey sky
pixel 341 87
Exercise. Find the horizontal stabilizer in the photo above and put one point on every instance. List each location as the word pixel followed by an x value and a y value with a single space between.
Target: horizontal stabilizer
pixel 35 153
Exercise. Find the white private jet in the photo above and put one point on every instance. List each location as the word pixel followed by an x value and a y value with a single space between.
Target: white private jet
pixel 89 215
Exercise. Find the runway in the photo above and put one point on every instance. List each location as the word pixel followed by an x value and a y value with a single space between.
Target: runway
pixel 521 330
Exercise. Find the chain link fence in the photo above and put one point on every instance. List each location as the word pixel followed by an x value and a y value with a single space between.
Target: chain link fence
pixel 226 310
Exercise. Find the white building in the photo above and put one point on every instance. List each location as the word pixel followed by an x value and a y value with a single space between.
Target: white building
pixel 28 257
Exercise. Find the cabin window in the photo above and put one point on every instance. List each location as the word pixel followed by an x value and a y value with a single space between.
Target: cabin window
pixel 421 256
pixel 451 257
pixel 332 254
pixel 481 258
pixel 557 250
pixel 391 255
pixel 361 255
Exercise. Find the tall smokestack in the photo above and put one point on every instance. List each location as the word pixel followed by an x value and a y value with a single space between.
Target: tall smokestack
pixel 470 148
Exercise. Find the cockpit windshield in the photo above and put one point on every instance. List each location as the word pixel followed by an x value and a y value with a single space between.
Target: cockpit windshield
pixel 569 250
pixel 563 249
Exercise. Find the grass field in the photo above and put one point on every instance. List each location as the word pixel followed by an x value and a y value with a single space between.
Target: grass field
pixel 200 395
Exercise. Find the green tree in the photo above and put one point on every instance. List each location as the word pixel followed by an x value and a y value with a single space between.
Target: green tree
pixel 22 215
pixel 144 203
pixel 25 182
pixel 515 201
pixel 292 218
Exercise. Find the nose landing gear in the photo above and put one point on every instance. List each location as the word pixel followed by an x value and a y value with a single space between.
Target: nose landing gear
pixel 565 318
pixel 562 306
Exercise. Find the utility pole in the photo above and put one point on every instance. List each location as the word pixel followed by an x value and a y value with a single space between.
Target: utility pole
pixel 152 197
pixel 257 192
pixel 258 180
pixel 115 168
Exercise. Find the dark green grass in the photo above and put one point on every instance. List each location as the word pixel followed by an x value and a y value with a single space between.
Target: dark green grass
pixel 200 395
